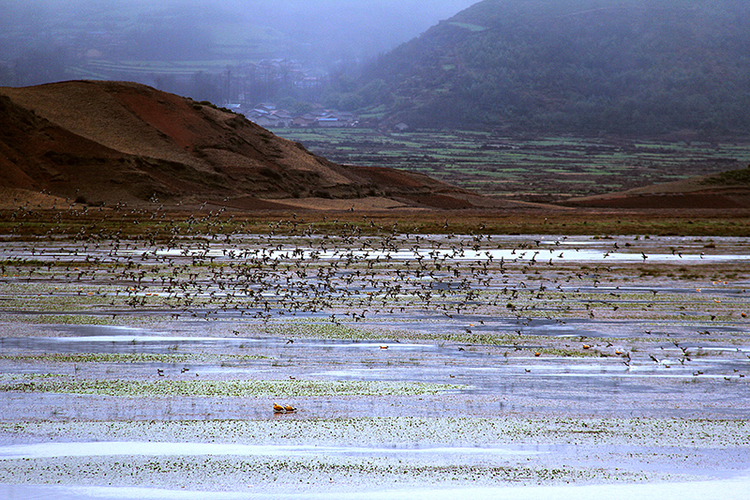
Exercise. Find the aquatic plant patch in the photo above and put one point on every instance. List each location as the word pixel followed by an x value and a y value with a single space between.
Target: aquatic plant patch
pixel 222 388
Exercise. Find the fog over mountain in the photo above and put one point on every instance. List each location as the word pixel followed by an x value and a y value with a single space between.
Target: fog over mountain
pixel 317 31
pixel 634 67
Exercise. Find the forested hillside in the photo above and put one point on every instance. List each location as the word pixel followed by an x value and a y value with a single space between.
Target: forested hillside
pixel 677 68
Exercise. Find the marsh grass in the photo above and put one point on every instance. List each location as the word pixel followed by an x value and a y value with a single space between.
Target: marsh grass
pixel 102 358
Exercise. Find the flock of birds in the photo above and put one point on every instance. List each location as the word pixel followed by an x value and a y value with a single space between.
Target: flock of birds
pixel 212 267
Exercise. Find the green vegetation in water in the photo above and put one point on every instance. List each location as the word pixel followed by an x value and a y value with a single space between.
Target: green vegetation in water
pixel 101 358
pixel 411 430
pixel 130 358
pixel 222 388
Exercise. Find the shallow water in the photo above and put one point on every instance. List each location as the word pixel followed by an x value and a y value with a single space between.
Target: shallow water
pixel 575 255
pixel 730 489
pixel 126 448
pixel 486 380
pixel 517 330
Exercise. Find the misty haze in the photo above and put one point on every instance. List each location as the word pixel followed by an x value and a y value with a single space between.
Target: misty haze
pixel 374 249
pixel 48 40
pixel 581 67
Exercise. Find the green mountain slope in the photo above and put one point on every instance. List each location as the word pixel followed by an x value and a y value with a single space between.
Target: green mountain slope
pixel 626 67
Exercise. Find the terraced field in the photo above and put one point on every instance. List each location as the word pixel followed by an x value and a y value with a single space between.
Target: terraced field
pixel 532 169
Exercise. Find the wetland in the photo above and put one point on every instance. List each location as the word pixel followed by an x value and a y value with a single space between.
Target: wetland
pixel 146 363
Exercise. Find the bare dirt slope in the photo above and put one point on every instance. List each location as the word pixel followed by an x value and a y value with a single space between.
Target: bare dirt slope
pixel 111 142
pixel 726 190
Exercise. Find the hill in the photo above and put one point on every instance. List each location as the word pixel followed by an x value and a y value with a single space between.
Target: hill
pixel 633 68
pixel 112 142
pixel 725 190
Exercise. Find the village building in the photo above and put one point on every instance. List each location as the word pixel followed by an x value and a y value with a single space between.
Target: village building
pixel 330 122
pixel 268 115
pixel 306 120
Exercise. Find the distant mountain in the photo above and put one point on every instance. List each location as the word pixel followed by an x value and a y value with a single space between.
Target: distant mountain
pixel 110 142
pixel 626 67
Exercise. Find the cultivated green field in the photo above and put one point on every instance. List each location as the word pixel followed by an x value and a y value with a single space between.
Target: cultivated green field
pixel 542 168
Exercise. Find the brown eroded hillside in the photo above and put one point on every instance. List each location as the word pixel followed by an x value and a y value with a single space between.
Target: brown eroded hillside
pixel 725 190
pixel 110 142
